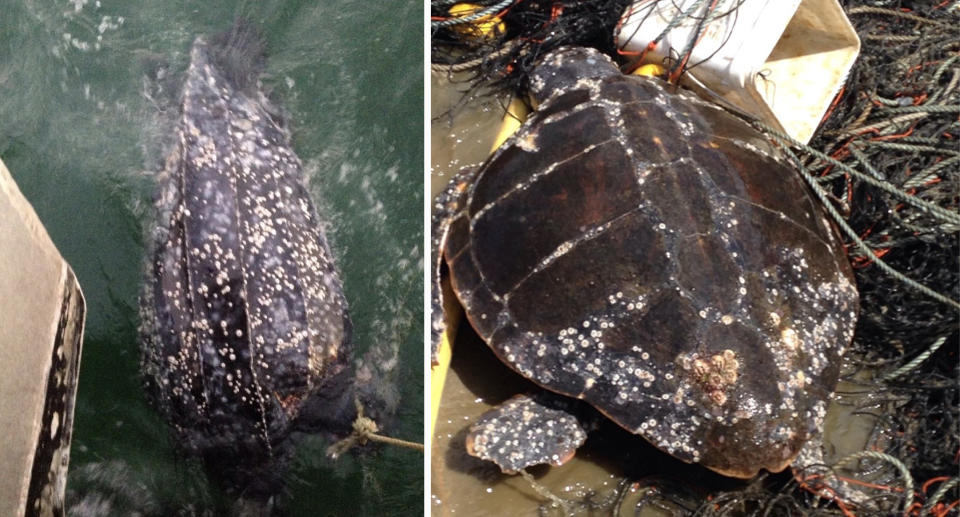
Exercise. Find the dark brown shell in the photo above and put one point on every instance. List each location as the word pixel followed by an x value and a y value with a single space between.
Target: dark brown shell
pixel 645 251
pixel 244 321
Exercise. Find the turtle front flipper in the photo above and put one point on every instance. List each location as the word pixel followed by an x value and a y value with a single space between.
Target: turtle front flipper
pixel 445 208
pixel 528 430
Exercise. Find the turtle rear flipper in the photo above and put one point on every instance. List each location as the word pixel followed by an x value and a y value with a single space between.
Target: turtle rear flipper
pixel 822 473
pixel 528 430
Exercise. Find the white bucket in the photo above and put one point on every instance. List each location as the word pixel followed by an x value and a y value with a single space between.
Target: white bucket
pixel 782 61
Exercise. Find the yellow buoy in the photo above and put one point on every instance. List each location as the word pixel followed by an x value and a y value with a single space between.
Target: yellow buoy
pixel 488 26
pixel 650 70
pixel 512 119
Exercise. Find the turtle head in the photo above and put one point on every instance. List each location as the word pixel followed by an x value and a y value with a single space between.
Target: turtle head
pixel 565 66
pixel 366 389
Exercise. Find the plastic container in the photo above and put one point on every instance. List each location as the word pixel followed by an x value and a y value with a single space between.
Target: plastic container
pixel 781 61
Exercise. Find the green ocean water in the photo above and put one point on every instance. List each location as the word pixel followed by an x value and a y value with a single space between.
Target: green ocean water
pixel 87 97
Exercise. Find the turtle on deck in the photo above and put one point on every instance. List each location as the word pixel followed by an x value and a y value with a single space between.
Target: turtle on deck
pixel 648 253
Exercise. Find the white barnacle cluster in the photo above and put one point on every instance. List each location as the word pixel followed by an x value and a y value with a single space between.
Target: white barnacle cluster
pixel 527 141
pixel 591 84
pixel 786 350
pixel 585 356
pixel 644 376
pixel 205 152
pixel 613 114
pixel 683 121
pixel 710 313
pixel 803 345
pixel 674 434
pixel 583 352
pixel 839 295
pixel 621 304
pixel 713 375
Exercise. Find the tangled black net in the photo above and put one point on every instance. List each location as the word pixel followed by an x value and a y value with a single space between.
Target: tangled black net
pixel 896 120
pixel 502 60
pixel 886 160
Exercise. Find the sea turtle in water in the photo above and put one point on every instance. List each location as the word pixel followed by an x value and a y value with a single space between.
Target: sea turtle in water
pixel 647 252
pixel 245 331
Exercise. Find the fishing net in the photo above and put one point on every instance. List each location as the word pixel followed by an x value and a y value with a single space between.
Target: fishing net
pixel 501 57
pixel 886 164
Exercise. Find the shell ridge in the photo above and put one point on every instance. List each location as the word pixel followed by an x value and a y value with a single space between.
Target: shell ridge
pixel 719 218
pixel 161 370
pixel 594 102
pixel 185 248
pixel 248 323
pixel 790 220
pixel 535 177
pixel 235 106
pixel 595 231
pixel 286 236
pixel 186 127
